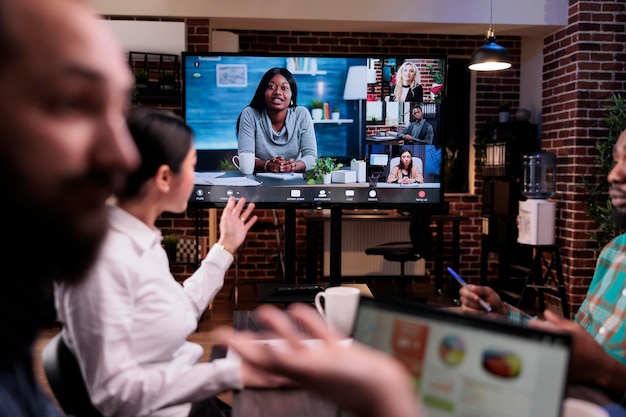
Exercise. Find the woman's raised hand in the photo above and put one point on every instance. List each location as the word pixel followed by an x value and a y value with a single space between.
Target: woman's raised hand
pixel 235 222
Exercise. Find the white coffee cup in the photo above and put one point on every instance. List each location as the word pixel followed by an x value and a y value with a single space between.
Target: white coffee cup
pixel 339 309
pixel 573 407
pixel 244 162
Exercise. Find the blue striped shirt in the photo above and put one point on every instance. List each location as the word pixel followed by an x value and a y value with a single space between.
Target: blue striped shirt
pixel 603 312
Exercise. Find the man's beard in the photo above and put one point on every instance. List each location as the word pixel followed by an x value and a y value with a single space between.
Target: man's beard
pixel 49 246
pixel 41 247
pixel 619 219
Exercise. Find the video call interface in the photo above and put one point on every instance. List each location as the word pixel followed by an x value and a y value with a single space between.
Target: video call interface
pixel 356 117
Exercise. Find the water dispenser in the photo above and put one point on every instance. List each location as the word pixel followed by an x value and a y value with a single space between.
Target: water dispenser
pixel 536 219
pixel 539 175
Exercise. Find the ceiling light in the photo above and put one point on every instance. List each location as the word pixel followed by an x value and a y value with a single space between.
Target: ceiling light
pixel 490 56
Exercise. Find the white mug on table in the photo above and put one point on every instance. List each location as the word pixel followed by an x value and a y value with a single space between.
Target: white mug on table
pixel 244 162
pixel 340 306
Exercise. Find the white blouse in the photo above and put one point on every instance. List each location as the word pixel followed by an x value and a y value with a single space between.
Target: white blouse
pixel 128 323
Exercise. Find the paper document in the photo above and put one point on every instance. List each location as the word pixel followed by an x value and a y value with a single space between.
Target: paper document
pixel 213 178
pixel 202 178
pixel 233 181
pixel 281 176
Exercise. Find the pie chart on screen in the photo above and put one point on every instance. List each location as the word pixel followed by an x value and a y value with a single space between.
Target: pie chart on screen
pixel 452 350
pixel 503 364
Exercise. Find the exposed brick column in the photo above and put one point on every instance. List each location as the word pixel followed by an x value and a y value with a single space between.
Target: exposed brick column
pixel 583 65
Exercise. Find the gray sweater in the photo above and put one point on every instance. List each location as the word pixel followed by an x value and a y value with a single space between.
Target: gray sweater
pixel 296 140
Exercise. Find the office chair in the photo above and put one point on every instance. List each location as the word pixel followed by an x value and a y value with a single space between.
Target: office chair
pixel 420 245
pixel 66 381
pixel 417 162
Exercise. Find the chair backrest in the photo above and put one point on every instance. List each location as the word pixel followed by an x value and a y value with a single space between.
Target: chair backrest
pixel 66 381
pixel 417 162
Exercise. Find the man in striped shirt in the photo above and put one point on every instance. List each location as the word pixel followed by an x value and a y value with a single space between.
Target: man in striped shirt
pixel 598 364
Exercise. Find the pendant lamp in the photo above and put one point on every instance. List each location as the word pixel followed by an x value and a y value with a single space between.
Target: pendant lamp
pixel 490 56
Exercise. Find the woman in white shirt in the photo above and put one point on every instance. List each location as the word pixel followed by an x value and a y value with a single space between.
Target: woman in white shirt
pixel 128 322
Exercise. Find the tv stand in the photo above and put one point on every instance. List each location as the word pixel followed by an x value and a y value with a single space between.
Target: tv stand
pixel 335 246
pixel 290 245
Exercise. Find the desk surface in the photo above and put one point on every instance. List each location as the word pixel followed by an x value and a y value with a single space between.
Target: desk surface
pixel 217 186
pixel 233 178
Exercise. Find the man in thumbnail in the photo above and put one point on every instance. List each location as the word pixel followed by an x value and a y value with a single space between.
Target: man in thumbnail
pixel 419 132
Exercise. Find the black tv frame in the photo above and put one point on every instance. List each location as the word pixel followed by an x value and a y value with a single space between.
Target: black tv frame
pixel 309 194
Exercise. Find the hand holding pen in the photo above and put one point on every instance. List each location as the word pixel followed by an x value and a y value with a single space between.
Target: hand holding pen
pixel 485 305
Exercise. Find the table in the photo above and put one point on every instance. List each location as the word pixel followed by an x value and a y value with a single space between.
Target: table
pixel 275 402
pixel 300 402
pixel 263 295
pixel 316 217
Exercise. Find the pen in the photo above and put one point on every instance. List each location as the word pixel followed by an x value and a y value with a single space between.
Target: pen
pixel 464 284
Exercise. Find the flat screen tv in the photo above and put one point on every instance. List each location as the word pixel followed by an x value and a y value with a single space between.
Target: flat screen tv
pixel 353 110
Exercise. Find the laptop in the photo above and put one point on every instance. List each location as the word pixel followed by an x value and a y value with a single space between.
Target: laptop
pixel 469 366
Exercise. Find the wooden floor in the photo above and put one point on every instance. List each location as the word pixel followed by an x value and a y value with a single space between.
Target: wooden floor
pixel 223 307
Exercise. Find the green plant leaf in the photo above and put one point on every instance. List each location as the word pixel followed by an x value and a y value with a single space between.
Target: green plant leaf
pixel 599 207
pixel 322 166
pixel 317 104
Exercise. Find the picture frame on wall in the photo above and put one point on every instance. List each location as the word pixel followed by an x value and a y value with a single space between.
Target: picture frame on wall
pixel 231 75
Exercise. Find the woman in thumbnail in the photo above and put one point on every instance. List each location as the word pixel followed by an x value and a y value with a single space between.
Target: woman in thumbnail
pixel 405 172
pixel 273 127
pixel 127 323
pixel 408 87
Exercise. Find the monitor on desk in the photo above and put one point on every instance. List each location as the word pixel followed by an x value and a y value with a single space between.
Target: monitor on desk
pixel 358 104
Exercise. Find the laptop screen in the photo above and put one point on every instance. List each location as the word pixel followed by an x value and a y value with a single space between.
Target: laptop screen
pixel 467 366
pixel 379 159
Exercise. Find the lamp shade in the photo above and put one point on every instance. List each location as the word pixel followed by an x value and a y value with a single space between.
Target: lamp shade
pixel 371 76
pixel 490 56
pixel 356 83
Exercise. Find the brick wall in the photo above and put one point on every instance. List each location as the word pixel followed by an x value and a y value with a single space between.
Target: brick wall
pixel 584 63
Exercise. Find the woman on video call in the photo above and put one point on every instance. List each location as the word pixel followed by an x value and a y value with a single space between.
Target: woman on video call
pixel 405 172
pixel 273 127
pixel 408 87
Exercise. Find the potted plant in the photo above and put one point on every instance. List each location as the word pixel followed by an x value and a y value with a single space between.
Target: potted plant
pixel 599 206
pixel 169 244
pixel 436 72
pixel 335 114
pixel 226 165
pixel 141 78
pixel 317 109
pixel 480 144
pixel 167 80
pixel 322 170
pixel 503 115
